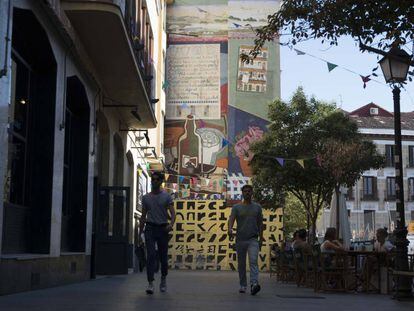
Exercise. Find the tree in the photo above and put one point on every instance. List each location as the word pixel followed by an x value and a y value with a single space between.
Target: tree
pixel 375 25
pixel 294 215
pixel 306 129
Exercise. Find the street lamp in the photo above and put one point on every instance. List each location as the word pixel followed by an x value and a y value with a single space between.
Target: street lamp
pixel 395 65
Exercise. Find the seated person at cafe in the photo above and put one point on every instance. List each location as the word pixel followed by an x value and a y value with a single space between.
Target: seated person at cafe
pixel 373 262
pixel 330 244
pixel 294 239
pixel 382 245
pixel 300 242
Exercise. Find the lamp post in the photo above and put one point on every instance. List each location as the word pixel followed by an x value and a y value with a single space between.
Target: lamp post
pixel 395 65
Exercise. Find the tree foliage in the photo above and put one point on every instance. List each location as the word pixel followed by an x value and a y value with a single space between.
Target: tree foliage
pixel 294 215
pixel 308 129
pixel 370 22
pixel 378 24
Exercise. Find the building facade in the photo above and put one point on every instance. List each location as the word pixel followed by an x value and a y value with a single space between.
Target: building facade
pixel 371 203
pixel 81 126
pixel 217 106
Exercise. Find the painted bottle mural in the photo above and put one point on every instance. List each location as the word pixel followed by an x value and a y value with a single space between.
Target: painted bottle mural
pixel 190 150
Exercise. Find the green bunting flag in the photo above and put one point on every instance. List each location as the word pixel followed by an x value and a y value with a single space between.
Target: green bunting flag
pixel 165 85
pixel 331 66
pixel 299 52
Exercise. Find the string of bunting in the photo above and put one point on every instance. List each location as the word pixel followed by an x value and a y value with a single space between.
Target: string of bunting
pixel 282 161
pixel 331 66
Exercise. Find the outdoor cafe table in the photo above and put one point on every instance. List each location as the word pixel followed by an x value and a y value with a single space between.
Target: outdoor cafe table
pixel 358 263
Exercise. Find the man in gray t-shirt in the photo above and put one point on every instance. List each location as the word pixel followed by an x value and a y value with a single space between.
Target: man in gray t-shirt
pixel 155 208
pixel 249 236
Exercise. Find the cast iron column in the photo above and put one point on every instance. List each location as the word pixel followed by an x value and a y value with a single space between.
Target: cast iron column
pixel 401 260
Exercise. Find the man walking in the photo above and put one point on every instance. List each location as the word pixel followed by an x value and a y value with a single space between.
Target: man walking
pixel 155 207
pixel 249 237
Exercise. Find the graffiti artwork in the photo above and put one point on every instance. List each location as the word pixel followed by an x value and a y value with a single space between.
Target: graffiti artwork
pixel 200 241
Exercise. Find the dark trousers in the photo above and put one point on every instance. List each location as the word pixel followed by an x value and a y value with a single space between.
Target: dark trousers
pixel 159 235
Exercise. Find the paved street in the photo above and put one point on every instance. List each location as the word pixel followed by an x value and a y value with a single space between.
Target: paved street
pixel 191 290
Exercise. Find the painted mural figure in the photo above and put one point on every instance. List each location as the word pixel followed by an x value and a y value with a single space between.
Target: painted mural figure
pixel 190 150
pixel 249 238
pixel 155 208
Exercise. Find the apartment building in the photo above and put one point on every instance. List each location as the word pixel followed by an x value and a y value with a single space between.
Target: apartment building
pixel 371 203
pixel 81 126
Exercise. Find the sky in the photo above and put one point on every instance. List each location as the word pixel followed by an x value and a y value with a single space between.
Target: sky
pixel 339 86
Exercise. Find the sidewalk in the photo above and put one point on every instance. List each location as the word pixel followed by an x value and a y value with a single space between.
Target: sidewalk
pixel 191 290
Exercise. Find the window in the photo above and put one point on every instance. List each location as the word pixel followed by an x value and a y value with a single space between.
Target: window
pixel 369 224
pixel 29 168
pixel 369 188
pixel 257 88
pixel 390 194
pixel 411 156
pixel 389 155
pixel 16 174
pixel 411 189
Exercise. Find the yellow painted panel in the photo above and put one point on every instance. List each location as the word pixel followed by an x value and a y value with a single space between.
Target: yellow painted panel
pixel 199 239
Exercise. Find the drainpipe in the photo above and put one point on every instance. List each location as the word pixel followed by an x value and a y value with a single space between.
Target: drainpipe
pixel 3 71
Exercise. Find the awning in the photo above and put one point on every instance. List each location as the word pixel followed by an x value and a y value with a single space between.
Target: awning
pixel 102 31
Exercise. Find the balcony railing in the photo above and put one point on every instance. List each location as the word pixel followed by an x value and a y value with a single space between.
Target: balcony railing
pixel 389 196
pixel 368 196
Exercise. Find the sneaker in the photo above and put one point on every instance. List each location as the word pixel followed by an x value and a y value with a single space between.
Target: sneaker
pixel 163 285
pixel 242 289
pixel 150 289
pixel 254 289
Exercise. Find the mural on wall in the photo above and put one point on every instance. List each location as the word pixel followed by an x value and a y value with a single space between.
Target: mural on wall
pixel 200 241
pixel 198 18
pixel 193 74
pixel 251 76
pixel 216 104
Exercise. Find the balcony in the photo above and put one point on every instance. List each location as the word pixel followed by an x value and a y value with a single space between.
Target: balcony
pixel 368 196
pixel 389 196
pixel 106 37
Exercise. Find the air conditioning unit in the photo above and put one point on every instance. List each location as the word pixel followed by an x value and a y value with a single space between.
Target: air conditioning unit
pixel 373 111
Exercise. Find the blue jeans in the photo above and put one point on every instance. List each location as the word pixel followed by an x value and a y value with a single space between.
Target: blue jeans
pixel 159 235
pixel 243 248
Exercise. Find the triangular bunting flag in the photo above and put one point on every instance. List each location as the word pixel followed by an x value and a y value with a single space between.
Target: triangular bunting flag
pixel 365 80
pixel 185 193
pixel 184 105
pixel 235 182
pixel 221 182
pixel 186 186
pixel 331 66
pixel 281 161
pixel 318 160
pixel 299 52
pixel 181 178
pixel 174 186
pixel 165 85
pixel 148 166
pixel 139 171
pixel 224 143
pixel 301 162
pixel 166 176
pixel 194 180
